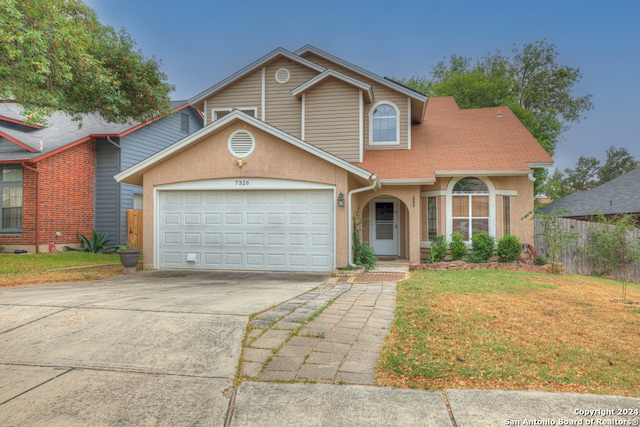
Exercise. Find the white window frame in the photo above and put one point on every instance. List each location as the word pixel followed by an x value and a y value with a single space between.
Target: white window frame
pixel 427 215
pixel 215 111
pixel 371 119
pixel 492 204
pixel 8 185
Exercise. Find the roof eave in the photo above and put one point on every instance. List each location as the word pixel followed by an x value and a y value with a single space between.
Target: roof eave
pixel 133 175
pixel 486 172
pixel 414 181
pixel 388 83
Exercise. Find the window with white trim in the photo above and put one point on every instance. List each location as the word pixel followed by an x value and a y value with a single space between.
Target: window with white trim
pixel 11 189
pixel 384 124
pixel 506 215
pixel 432 217
pixel 218 113
pixel 470 207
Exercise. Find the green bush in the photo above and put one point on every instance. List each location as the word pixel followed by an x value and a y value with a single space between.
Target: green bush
pixel 482 245
pixel 363 254
pixel 457 247
pixel 539 260
pixel 509 248
pixel 97 244
pixel 438 248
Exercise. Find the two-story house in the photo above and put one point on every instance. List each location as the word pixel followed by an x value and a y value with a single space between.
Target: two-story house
pixel 298 143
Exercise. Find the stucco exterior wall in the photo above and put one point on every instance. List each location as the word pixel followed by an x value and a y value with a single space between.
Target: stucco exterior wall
pixel 271 158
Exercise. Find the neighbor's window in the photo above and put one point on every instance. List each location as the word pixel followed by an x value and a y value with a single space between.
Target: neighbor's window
pixel 432 217
pixel 184 124
pixel 470 207
pixel 11 203
pixel 506 215
pixel 384 124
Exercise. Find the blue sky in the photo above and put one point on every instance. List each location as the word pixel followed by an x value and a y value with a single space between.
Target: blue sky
pixel 201 42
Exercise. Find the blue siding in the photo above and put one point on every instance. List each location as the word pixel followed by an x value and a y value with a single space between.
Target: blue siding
pixel 143 143
pixel 107 200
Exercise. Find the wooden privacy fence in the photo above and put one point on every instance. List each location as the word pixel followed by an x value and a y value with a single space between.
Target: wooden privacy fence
pixel 134 229
pixel 574 259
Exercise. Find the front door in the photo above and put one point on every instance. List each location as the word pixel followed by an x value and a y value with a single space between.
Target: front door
pixel 384 227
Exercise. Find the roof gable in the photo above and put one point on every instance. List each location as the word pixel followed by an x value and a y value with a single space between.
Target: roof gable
pixel 418 99
pixel 265 60
pixel 134 174
pixel 329 73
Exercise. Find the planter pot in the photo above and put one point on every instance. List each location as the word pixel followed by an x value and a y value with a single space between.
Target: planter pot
pixel 129 259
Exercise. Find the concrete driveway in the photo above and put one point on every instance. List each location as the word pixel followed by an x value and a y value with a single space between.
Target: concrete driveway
pixel 146 349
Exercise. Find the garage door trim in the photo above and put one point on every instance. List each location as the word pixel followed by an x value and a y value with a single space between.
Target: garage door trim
pixel 236 184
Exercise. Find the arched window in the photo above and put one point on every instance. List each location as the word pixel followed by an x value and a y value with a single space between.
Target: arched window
pixel 384 124
pixel 470 207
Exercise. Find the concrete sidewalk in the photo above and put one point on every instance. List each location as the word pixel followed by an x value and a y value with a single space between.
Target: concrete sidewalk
pixel 271 404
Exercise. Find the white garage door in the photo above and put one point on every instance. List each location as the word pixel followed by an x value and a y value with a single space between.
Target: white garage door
pixel 281 230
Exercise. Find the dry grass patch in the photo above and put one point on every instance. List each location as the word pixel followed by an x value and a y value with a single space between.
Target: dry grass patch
pixel 513 331
pixel 29 269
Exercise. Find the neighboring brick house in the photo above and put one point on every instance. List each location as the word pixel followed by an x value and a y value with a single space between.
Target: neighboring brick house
pixel 57 180
pixel 298 143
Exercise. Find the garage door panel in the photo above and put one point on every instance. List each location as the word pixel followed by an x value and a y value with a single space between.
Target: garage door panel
pixel 255 230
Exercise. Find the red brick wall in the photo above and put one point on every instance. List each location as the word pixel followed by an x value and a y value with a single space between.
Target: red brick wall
pixel 67 182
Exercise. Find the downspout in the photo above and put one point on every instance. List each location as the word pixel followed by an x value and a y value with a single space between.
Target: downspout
pixel 37 172
pixel 375 185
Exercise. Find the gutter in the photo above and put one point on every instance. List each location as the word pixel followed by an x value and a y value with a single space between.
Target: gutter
pixel 375 186
pixel 37 172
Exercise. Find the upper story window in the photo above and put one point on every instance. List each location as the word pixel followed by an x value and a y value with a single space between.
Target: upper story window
pixel 11 201
pixel 384 120
pixel 218 113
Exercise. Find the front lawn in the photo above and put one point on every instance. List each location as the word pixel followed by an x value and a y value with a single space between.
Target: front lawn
pixel 513 331
pixel 46 268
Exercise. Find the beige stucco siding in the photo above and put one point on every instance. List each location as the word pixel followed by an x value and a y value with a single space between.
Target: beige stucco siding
pixel 283 110
pixel 521 205
pixel 272 158
pixel 332 119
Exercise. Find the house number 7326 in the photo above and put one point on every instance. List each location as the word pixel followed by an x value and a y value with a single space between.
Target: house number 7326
pixel 241 182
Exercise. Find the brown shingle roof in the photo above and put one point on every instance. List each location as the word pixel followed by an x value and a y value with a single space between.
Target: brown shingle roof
pixel 450 139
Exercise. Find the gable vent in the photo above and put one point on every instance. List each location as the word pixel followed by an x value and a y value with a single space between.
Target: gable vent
pixel 282 75
pixel 241 143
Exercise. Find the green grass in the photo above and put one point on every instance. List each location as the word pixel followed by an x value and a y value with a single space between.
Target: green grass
pixel 512 330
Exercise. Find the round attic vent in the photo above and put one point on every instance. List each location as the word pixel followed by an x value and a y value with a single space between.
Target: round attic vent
pixel 241 144
pixel 283 75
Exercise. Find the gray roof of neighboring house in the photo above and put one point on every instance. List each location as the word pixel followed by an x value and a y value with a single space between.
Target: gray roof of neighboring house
pixel 618 196
pixel 61 131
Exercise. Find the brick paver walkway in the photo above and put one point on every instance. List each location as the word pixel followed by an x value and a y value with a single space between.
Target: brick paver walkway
pixel 341 344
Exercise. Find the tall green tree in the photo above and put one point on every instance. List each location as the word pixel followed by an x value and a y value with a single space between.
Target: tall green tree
pixel 531 82
pixel 585 174
pixel 55 55
pixel 589 173
pixel 618 162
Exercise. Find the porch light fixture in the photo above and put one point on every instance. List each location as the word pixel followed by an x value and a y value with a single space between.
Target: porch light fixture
pixel 341 200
